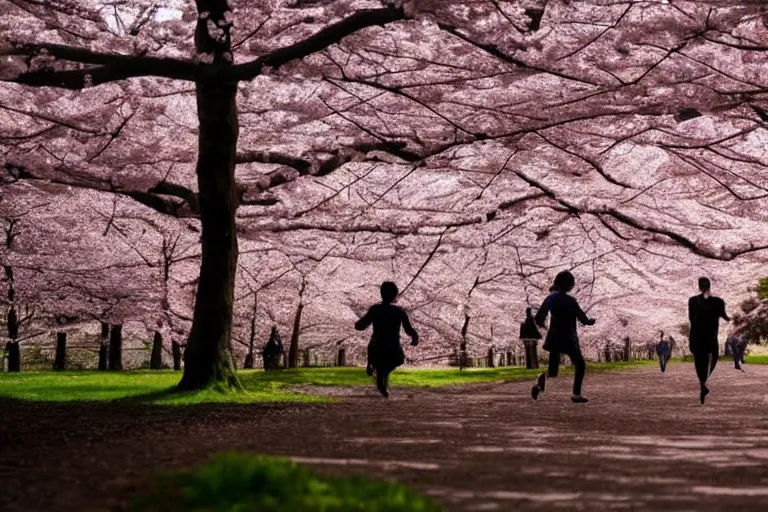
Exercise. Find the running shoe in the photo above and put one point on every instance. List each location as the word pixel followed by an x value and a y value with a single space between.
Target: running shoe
pixel 579 399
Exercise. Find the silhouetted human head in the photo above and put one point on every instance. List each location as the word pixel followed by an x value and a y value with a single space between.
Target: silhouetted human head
pixel 704 284
pixel 388 292
pixel 564 282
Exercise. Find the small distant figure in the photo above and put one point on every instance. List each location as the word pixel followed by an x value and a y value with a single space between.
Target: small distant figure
pixel 272 350
pixel 561 336
pixel 704 314
pixel 530 337
pixel 736 345
pixel 384 350
pixel 664 351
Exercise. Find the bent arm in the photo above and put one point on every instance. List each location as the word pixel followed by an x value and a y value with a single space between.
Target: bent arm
pixel 723 313
pixel 409 330
pixel 364 322
pixel 541 314
pixel 582 316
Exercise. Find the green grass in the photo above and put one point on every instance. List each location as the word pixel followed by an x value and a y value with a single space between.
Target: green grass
pixel 756 359
pixel 235 482
pixel 156 387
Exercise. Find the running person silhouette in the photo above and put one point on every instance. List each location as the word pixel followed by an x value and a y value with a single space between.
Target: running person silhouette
pixel 561 336
pixel 704 314
pixel 384 351
pixel 664 350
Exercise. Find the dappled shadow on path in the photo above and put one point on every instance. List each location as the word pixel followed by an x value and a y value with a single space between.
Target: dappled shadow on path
pixel 643 443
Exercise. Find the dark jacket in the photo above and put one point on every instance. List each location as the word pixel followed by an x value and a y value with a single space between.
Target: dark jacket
pixel 565 311
pixel 384 350
pixel 528 330
pixel 704 314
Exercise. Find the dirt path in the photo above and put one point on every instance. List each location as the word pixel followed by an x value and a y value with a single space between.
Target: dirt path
pixel 642 443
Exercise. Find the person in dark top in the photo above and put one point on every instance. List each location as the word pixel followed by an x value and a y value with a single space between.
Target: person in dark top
pixel 736 345
pixel 530 337
pixel 704 314
pixel 384 351
pixel 561 336
pixel 663 350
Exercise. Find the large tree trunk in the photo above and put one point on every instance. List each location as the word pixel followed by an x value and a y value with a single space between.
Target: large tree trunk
pixel 293 349
pixel 14 356
pixel 104 346
pixel 60 361
pixel 156 358
pixel 207 357
pixel 116 348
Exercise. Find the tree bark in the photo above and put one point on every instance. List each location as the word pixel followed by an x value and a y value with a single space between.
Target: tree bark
pixel 60 361
pixel 207 358
pixel 14 356
pixel 341 359
pixel 293 349
pixel 490 363
pixel 116 348
pixel 156 358
pixel 176 352
pixel 104 346
pixel 248 364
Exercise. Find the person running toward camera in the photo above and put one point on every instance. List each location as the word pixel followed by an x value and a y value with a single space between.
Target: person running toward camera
pixel 562 337
pixel 664 351
pixel 704 314
pixel 384 350
pixel 736 345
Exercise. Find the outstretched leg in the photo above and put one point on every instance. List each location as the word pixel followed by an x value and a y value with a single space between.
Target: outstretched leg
pixel 541 380
pixel 382 382
pixel 580 368
pixel 701 361
pixel 713 357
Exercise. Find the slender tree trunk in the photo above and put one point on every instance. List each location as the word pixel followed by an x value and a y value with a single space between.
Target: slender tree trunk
pixel 104 347
pixel 293 349
pixel 116 348
pixel 156 358
pixel 14 356
pixel 207 357
pixel 176 353
pixel 249 357
pixel 12 347
pixel 60 361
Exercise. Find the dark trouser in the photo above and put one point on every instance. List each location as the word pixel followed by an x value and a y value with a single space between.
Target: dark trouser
pixel 738 354
pixel 577 360
pixel 382 381
pixel 663 358
pixel 705 363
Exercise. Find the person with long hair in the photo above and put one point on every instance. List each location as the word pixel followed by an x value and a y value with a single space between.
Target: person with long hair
pixel 384 351
pixel 562 337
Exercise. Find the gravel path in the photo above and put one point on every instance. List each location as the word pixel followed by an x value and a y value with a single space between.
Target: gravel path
pixel 642 443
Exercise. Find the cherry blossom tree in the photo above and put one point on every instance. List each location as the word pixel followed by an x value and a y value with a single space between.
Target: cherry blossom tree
pixel 629 135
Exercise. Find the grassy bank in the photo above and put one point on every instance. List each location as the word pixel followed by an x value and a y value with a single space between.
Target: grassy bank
pixel 238 482
pixel 156 386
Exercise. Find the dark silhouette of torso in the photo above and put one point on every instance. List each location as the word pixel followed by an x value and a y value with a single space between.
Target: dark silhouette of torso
pixel 704 314
pixel 565 310
pixel 528 330
pixel 387 320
